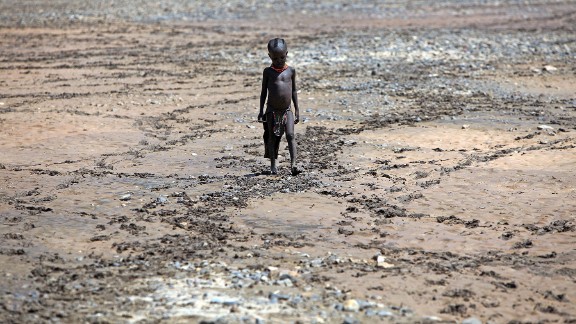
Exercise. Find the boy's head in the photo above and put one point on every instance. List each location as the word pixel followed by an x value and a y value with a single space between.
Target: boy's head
pixel 277 51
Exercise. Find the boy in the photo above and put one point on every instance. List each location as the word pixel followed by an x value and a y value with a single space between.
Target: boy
pixel 279 84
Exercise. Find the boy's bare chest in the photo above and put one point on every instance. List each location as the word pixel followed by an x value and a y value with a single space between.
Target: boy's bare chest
pixel 280 81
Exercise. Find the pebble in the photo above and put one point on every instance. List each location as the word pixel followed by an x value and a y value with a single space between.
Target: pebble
pixel 381 262
pixel 126 197
pixel 277 296
pixel 471 320
pixel 288 275
pixel 550 68
pixel 286 282
pixel 224 301
pixel 385 313
pixel 545 127
pixel 351 305
pixel 316 263
pixel 161 200
pixel 433 318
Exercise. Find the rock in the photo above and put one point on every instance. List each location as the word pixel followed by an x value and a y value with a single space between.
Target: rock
pixel 161 200
pixel 126 197
pixel 224 301
pixel 465 126
pixel 288 275
pixel 381 262
pixel 316 263
pixel 278 296
pixel 545 127
pixel 550 68
pixel 351 305
pixel 318 320
pixel 273 271
pixel 286 282
pixel 385 313
pixel 471 320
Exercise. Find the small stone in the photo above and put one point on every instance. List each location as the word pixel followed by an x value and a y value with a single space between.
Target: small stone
pixel 385 313
pixel 251 126
pixel 381 262
pixel 285 274
pixel 351 305
pixel 278 296
pixel 471 320
pixel 286 282
pixel 550 68
pixel 273 271
pixel 545 127
pixel 316 263
pixel 433 318
pixel 161 200
pixel 465 126
pixel 126 197
pixel 224 301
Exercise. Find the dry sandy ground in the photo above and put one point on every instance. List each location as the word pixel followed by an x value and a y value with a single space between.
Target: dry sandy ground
pixel 437 148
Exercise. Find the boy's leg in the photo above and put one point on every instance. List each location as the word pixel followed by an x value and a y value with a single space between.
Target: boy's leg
pixel 291 138
pixel 271 144
pixel 265 137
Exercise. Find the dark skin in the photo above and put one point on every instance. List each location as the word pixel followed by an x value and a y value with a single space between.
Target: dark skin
pixel 280 88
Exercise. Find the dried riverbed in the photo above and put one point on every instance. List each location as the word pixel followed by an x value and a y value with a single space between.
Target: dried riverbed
pixel 437 147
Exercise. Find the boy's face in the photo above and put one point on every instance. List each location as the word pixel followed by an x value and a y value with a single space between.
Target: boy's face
pixel 278 57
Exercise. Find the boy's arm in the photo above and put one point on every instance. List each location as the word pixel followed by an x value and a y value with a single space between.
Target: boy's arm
pixel 263 94
pixel 295 97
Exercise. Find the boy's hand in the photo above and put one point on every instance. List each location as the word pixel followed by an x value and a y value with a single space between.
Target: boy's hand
pixel 296 119
pixel 261 117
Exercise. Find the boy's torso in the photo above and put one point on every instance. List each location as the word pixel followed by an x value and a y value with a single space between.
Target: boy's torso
pixel 279 89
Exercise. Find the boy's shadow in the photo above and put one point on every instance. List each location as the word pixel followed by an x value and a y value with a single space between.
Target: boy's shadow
pixel 293 172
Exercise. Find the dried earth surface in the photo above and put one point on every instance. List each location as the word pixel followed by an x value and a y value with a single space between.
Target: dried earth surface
pixel 437 149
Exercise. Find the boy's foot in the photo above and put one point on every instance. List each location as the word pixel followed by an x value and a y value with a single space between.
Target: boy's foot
pixel 274 171
pixel 295 171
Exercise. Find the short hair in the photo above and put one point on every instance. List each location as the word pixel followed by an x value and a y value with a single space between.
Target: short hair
pixel 277 44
